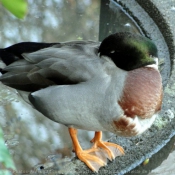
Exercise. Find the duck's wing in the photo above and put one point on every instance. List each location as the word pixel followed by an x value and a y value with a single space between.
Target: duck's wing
pixel 32 66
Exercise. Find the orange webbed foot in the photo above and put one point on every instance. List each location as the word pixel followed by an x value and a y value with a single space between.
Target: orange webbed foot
pixel 97 156
pixel 113 150
pixel 93 158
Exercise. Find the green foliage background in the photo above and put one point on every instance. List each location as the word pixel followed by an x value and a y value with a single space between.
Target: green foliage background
pixel 5 158
pixel 16 7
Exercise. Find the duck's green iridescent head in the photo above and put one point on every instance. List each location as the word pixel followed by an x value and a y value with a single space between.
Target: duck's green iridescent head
pixel 129 51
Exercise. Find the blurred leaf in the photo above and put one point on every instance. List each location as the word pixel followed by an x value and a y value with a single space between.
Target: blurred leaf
pixel 5 157
pixel 16 7
pixel 5 172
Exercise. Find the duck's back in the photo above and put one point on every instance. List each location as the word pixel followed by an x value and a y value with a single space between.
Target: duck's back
pixel 31 66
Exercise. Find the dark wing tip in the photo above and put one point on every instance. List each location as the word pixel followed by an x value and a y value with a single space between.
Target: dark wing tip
pixel 31 98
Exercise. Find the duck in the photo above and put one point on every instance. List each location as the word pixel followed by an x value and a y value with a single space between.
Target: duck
pixel 110 86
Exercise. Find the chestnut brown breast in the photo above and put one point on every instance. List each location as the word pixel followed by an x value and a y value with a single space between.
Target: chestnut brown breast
pixel 142 95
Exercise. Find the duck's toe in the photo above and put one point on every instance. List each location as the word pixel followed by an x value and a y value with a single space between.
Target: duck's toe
pixel 112 150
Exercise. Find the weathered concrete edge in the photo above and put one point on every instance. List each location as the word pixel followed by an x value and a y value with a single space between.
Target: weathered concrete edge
pixel 164 22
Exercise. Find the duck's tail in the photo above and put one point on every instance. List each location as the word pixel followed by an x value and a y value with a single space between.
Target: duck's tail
pixel 13 53
pixel 6 56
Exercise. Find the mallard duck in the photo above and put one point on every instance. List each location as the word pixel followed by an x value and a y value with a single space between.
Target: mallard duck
pixel 110 86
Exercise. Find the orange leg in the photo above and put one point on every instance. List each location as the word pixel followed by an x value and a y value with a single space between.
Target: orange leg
pixel 91 160
pixel 95 157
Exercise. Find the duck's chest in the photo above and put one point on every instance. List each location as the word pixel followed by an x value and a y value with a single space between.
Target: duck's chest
pixel 142 93
pixel 140 101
